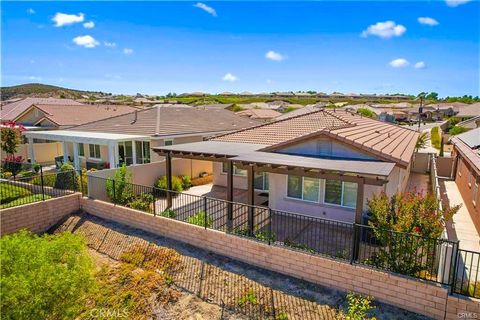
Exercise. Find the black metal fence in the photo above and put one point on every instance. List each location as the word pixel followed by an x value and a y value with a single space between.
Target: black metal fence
pixel 32 187
pixel 466 280
pixel 409 254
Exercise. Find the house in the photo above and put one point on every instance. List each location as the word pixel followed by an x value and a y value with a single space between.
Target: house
pixel 324 163
pixel 260 114
pixel 466 148
pixel 11 111
pixel 471 123
pixel 469 111
pixel 127 138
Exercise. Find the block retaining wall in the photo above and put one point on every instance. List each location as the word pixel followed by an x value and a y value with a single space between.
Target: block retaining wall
pixel 423 297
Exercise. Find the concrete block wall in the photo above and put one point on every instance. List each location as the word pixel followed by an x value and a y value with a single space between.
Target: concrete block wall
pixel 39 216
pixel 415 295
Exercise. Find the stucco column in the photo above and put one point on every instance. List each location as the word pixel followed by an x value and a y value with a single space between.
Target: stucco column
pixel 229 195
pixel 111 155
pixel 251 198
pixel 31 150
pixel 358 219
pixel 134 152
pixel 65 151
pixel 168 172
pixel 76 158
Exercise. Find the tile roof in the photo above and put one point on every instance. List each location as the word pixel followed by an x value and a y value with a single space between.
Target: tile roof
pixel 77 115
pixel 468 146
pixel 385 140
pixel 12 110
pixel 259 113
pixel 175 119
pixel 471 110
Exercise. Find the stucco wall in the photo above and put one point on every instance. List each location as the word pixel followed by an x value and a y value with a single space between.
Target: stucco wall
pixel 44 152
pixel 161 142
pixel 220 178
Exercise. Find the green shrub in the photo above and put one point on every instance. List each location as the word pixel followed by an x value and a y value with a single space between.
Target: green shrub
pixel 36 167
pixel 120 191
pixel 44 277
pixel 366 113
pixel 66 178
pixel 169 213
pixel 186 182
pixel 199 219
pixel 26 173
pixel 177 184
pixel 265 236
pixel 142 202
pixel 250 297
pixel 298 246
pixel 435 137
pixel 11 192
pixel 359 307
pixel 457 130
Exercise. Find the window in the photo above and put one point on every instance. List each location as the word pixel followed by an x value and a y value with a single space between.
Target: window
pixel 142 149
pixel 81 150
pixel 303 188
pixel 236 171
pixel 94 151
pixel 168 142
pixel 261 181
pixel 125 152
pixel 475 191
pixel 341 193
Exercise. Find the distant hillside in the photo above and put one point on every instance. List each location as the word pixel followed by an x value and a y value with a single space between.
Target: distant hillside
pixel 41 91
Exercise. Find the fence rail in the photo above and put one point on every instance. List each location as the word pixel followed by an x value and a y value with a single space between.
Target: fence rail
pixel 408 254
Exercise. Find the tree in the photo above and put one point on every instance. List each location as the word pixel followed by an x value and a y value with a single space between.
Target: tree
pixel 119 189
pixel 432 96
pixel 421 141
pixel 366 113
pixel 11 137
pixel 44 277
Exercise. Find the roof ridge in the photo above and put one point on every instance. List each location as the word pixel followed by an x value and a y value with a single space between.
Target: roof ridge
pixel 271 123
pixel 116 116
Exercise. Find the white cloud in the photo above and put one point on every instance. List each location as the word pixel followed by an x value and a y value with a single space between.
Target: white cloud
pixel 109 44
pixel 30 11
pixel 275 56
pixel 86 41
pixel 229 77
pixel 127 51
pixel 456 3
pixel 34 78
pixel 89 25
pixel 206 8
pixel 384 30
pixel 399 63
pixel 428 21
pixel 419 65
pixel 63 19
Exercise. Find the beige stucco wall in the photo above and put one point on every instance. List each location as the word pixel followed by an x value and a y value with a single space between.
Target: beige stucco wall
pixel 220 178
pixel 160 142
pixel 44 152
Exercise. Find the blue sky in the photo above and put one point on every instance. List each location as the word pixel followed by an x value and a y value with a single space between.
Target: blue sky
pixel 160 47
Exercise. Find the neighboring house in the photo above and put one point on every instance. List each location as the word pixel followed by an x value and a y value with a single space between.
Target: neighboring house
pixel 302 111
pixel 10 111
pixel 260 114
pixel 57 116
pixel 469 111
pixel 128 138
pixel 471 123
pixel 324 163
pixel 466 148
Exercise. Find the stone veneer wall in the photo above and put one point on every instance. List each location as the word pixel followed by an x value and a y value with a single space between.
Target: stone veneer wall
pixel 411 294
pixel 39 216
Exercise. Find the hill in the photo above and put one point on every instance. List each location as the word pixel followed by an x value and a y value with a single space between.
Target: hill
pixel 41 91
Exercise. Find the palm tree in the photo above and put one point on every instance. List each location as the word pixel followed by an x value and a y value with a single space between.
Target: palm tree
pixel 421 141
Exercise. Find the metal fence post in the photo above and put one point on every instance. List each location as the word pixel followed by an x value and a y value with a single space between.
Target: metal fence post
pixel 269 225
pixel 74 176
pixel 453 273
pixel 81 181
pixel 154 203
pixel 41 180
pixel 355 243
pixel 205 212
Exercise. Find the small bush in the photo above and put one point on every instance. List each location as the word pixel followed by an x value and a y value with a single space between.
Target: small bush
pixel 435 137
pixel 176 183
pixel 457 130
pixel 202 180
pixel 250 297
pixel 48 180
pixel 186 182
pixel 142 202
pixel 66 178
pixel 199 219
pixel 366 113
pixel 298 246
pixel 169 213
pixel 120 191
pixel 36 167
pixel 359 308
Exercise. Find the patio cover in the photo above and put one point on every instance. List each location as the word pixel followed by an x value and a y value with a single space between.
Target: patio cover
pixel 82 136
pixel 211 148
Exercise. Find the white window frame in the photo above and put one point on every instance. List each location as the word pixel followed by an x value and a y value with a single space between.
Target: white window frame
pixel 302 199
pixel 265 175
pixel 140 152
pixel 95 156
pixel 81 147
pixel 342 197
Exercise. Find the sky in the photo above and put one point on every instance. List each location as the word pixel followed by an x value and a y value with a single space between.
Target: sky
pixel 155 47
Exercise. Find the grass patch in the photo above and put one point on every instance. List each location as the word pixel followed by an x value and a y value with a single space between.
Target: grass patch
pixel 24 200
pixel 200 219
pixel 435 137
pixel 10 192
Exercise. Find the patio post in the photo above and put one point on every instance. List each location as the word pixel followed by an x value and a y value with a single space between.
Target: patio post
pixel 168 172
pixel 76 158
pixel 111 155
pixel 251 198
pixel 31 151
pixel 358 219
pixel 65 152
pixel 229 195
